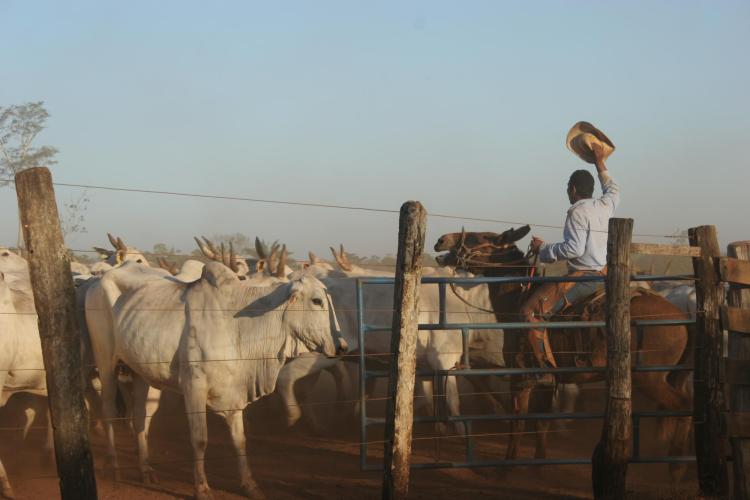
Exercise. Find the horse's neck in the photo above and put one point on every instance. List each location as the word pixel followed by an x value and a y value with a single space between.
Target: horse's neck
pixel 506 297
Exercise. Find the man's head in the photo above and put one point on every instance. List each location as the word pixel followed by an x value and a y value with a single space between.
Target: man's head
pixel 580 186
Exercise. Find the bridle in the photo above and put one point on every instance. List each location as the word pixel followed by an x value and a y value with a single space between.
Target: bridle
pixel 466 256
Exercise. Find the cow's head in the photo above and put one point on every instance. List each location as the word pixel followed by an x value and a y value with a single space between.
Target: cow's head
pixel 475 251
pixel 311 317
pixel 10 262
pixel 121 253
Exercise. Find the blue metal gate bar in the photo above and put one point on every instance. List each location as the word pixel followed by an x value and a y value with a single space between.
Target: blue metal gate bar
pixel 363 328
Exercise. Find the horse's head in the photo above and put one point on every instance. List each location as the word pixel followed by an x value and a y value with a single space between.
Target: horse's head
pixel 475 252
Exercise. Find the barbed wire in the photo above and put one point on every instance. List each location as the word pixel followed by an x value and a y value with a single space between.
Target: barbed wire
pixel 327 205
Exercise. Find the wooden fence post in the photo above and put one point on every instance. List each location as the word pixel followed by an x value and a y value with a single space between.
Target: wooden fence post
pixel 610 459
pixel 739 398
pixel 400 410
pixel 708 390
pixel 54 298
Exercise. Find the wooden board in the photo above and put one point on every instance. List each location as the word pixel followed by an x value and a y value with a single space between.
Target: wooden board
pixel 736 371
pixel 737 424
pixel 735 270
pixel 652 249
pixel 735 319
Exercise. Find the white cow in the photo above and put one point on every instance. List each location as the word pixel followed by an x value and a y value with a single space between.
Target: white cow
pixel 437 350
pixel 21 364
pixel 217 341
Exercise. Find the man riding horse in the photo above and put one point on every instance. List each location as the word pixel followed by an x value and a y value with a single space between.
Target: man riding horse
pixel 584 246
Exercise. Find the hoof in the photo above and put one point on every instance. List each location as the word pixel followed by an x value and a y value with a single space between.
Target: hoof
pixel 7 492
pixel 252 490
pixel 149 477
pixel 204 494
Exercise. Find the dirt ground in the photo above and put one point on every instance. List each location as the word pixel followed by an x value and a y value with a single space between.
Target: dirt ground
pixel 298 464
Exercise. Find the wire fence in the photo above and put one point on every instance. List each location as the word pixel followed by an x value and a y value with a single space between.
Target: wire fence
pixel 345 310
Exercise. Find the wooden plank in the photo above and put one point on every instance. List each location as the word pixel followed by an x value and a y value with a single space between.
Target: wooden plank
pixel 709 399
pixel 55 301
pixel 610 459
pixel 735 319
pixel 653 249
pixel 739 395
pixel 735 270
pixel 736 371
pixel 400 406
pixel 737 424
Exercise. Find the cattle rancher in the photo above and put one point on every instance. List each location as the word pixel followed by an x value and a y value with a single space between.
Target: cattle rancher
pixel 585 240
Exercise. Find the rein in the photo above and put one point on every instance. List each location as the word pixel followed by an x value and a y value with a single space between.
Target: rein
pixel 466 257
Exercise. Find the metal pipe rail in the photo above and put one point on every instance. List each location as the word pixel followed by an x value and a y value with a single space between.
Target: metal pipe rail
pixel 464 328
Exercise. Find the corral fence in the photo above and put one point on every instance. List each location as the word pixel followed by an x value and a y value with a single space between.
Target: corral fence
pixel 715 416
pixel 714 420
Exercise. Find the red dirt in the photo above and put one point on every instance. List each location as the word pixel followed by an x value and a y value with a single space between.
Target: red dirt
pixel 293 464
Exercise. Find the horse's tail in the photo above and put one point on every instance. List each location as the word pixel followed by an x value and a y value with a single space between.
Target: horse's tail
pixel 681 380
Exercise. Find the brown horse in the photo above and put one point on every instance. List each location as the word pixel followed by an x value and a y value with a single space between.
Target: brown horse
pixel 493 255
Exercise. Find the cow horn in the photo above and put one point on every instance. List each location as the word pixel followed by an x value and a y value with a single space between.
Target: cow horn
pixel 212 247
pixel 272 259
pixel 121 245
pixel 203 248
pixel 281 268
pixel 313 258
pixel 169 266
pixel 224 255
pixel 259 248
pixel 340 259
pixel 345 259
pixel 112 240
pixel 233 259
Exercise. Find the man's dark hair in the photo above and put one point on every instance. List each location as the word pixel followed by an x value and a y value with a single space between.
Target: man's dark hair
pixel 583 181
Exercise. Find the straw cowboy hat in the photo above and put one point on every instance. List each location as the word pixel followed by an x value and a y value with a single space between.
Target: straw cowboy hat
pixel 580 138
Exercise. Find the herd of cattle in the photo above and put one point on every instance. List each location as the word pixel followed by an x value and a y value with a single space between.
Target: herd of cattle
pixel 227 332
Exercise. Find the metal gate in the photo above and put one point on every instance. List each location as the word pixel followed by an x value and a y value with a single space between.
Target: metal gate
pixel 464 328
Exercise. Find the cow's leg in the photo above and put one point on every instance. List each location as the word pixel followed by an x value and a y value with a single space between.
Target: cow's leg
pixel 195 395
pixel 145 403
pixel 426 398
pixel 564 401
pixel 542 403
pixel 342 379
pixel 447 389
pixel 5 489
pixel 30 414
pixel 292 372
pixel 237 429
pixel 109 409
pixel 49 441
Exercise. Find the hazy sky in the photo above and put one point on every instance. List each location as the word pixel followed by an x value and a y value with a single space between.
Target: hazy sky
pixel 461 105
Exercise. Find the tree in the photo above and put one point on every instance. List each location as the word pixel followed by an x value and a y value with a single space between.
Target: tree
pixel 72 216
pixel 19 126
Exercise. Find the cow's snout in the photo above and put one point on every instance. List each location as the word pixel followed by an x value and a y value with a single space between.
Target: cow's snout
pixel 439 245
pixel 440 259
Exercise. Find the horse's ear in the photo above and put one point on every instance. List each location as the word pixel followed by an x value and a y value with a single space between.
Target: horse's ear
pixel 512 235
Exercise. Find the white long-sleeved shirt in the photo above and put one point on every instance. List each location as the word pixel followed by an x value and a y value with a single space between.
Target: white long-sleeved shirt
pixel 585 231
